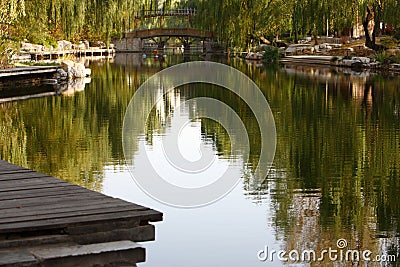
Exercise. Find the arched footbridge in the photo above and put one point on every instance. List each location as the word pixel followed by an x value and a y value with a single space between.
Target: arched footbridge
pixel 134 40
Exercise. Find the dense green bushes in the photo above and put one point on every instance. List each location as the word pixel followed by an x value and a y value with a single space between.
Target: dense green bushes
pixel 271 53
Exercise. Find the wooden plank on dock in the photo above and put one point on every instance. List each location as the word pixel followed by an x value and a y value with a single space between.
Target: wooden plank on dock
pixel 20 189
pixel 122 253
pixel 42 192
pixel 17 258
pixel 5 167
pixel 16 175
pixel 62 223
pixel 14 171
pixel 64 210
pixel 34 207
pixel 23 71
pixel 12 183
pixel 82 197
pixel 87 255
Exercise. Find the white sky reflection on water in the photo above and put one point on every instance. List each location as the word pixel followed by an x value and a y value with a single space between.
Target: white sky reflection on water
pixel 189 143
pixel 229 232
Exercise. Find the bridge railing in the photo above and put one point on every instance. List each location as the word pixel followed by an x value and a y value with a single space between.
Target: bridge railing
pixel 171 32
pixel 166 12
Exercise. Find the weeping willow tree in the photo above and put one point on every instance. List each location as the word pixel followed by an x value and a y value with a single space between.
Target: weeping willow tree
pixel 47 21
pixel 10 11
pixel 239 23
pixel 50 20
pixel 243 22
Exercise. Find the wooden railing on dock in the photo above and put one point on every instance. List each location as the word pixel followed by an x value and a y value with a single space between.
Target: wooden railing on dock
pixel 46 221
pixel 53 54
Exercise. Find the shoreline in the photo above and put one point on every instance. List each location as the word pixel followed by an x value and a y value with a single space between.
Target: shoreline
pixel 348 64
pixel 323 61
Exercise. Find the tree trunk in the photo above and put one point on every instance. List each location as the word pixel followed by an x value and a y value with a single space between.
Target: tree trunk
pixel 368 41
pixel 295 30
pixel 316 38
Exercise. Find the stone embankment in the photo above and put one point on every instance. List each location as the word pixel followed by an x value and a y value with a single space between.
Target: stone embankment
pixel 354 62
pixel 356 57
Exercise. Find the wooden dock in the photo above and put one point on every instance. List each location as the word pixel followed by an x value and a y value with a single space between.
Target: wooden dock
pixel 307 60
pixel 54 54
pixel 25 71
pixel 45 221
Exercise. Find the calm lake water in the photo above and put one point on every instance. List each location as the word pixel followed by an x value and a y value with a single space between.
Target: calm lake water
pixel 336 173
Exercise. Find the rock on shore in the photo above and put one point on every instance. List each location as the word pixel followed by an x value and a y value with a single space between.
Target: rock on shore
pixel 74 69
pixel 71 77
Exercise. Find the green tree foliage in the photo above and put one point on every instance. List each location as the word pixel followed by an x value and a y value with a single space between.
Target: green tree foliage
pixel 243 22
pixel 50 20
pixel 379 13
pixel 10 11
pixel 239 23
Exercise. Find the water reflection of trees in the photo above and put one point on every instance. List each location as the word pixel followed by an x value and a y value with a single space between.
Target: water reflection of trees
pixel 336 172
pixel 336 168
pixel 338 138
pixel 76 138
pixel 13 137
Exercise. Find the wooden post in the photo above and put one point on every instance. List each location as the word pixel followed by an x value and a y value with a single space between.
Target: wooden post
pixel 188 19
